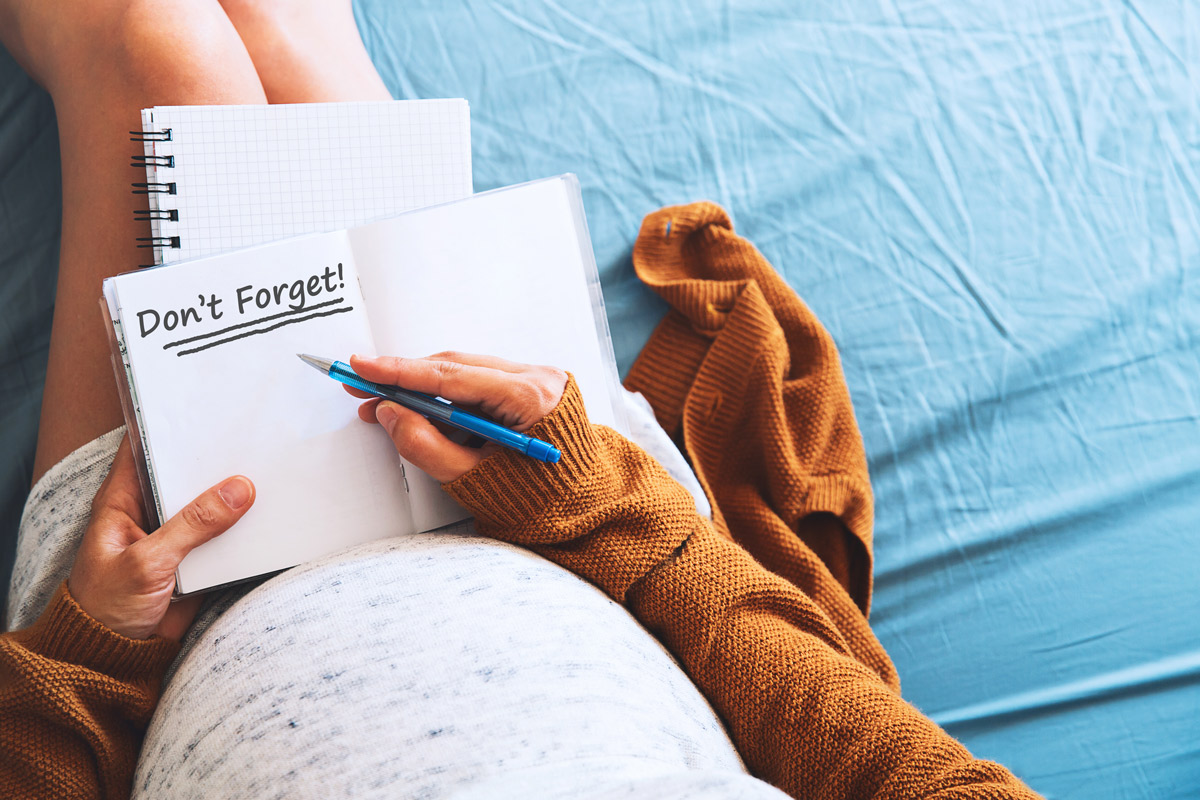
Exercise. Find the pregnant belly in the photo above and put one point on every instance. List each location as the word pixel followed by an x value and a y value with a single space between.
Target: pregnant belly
pixel 418 666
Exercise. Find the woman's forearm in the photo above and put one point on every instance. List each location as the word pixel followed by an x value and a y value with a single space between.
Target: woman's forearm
pixel 805 715
pixel 75 700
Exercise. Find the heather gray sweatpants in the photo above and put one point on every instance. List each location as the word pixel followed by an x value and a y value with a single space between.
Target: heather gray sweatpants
pixel 424 666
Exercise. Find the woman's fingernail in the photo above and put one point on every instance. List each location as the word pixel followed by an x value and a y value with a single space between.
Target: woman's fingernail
pixel 386 416
pixel 236 492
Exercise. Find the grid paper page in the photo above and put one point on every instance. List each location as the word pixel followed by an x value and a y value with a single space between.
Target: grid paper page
pixel 245 175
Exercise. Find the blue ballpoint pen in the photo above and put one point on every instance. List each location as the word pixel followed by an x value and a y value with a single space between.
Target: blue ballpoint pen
pixel 440 410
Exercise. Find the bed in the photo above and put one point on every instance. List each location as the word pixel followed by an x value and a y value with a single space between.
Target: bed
pixel 994 208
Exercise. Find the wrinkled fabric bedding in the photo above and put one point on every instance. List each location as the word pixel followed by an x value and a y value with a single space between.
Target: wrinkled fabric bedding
pixel 994 208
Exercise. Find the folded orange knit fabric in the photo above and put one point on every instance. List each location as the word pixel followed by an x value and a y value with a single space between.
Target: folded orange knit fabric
pixel 746 379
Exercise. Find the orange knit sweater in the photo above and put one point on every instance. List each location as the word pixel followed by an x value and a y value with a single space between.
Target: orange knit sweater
pixel 765 607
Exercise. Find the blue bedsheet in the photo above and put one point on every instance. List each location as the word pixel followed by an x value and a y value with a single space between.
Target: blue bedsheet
pixel 994 208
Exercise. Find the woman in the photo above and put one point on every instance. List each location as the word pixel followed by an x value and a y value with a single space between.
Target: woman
pixel 450 664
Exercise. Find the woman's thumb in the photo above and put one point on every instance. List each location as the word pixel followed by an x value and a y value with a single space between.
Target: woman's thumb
pixel 209 515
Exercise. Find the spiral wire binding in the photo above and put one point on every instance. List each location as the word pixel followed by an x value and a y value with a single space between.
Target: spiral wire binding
pixel 158 161
pixel 154 187
pixel 150 136
pixel 147 214
pixel 159 241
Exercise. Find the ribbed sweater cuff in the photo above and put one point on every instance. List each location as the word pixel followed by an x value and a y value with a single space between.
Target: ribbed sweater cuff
pixel 66 633
pixel 508 489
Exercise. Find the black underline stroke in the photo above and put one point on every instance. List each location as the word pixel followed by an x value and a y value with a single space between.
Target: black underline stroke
pixel 293 312
pixel 264 330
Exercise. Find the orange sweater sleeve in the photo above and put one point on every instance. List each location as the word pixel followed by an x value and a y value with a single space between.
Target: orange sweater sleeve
pixel 75 700
pixel 803 712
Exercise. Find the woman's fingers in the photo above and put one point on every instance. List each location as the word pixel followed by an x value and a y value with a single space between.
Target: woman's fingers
pixel 479 360
pixel 518 399
pixel 366 411
pixel 359 393
pixel 467 359
pixel 457 382
pixel 417 440
pixel 516 395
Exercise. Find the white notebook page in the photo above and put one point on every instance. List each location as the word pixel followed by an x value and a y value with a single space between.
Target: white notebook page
pixel 221 397
pixel 500 273
pixel 246 175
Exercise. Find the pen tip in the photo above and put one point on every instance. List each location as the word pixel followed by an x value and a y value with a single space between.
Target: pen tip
pixel 322 364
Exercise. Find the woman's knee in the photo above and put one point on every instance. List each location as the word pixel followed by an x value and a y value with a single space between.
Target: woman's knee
pixel 146 51
pixel 181 53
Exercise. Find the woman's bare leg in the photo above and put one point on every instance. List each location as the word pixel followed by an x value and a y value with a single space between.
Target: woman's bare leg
pixel 102 62
pixel 306 51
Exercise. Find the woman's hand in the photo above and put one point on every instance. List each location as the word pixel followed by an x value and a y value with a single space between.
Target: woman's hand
pixel 515 395
pixel 123 577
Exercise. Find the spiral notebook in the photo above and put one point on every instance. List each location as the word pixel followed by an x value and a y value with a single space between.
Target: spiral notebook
pixel 205 352
pixel 223 177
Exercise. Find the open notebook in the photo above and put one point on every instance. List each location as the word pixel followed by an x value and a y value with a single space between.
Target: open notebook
pixel 207 350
